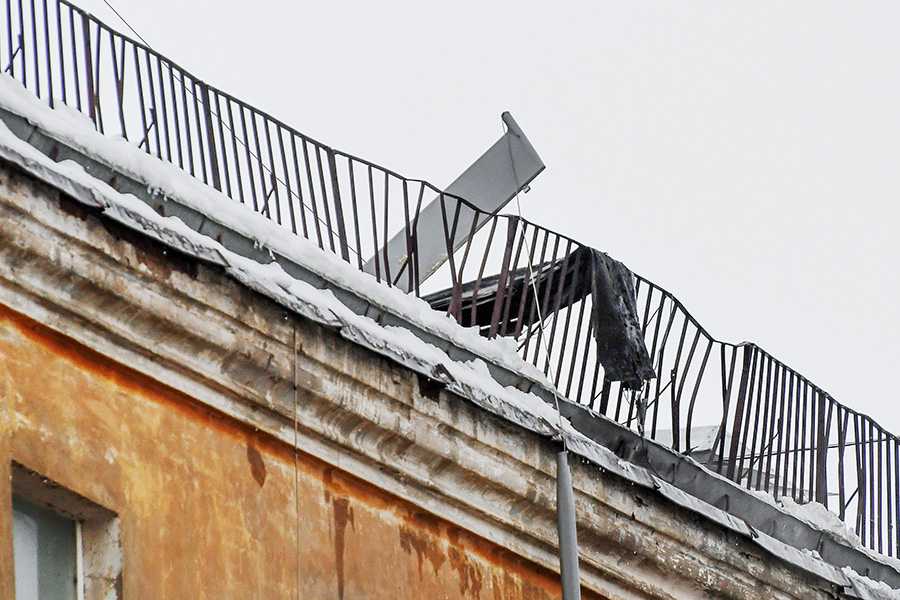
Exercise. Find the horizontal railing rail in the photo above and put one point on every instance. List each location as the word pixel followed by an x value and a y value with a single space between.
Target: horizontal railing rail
pixel 744 413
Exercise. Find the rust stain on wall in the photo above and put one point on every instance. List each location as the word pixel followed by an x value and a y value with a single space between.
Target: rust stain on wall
pixel 425 547
pixel 469 576
pixel 257 464
pixel 178 475
pixel 342 514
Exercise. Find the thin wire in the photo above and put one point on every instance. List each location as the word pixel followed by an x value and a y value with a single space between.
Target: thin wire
pixel 224 124
pixel 127 24
pixel 296 460
pixel 536 295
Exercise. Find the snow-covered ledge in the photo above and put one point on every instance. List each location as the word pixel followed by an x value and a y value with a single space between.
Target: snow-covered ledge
pixel 335 299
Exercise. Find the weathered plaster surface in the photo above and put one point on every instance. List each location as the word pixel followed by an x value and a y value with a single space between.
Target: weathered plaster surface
pixel 164 391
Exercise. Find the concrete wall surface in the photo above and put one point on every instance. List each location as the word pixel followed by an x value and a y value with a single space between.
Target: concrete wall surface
pixel 165 392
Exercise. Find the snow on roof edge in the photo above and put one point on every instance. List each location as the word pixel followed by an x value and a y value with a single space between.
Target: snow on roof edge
pixel 470 379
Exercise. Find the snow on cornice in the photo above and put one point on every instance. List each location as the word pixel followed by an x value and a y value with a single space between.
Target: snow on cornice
pixel 470 379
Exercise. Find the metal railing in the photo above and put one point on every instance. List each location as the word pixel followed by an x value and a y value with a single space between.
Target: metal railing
pixel 773 429
pixel 343 203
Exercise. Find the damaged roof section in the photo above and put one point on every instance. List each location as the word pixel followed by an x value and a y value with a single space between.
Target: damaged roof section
pixel 521 299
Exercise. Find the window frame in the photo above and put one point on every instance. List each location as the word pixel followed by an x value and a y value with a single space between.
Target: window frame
pixel 98 551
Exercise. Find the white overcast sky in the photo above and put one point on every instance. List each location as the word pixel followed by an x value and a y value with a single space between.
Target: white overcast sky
pixel 742 155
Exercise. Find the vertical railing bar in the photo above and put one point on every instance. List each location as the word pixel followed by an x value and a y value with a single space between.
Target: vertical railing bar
pixel 557 303
pixel 873 506
pixel 569 296
pixel 408 233
pixel 211 141
pixel 737 426
pixel 500 299
pixel 386 261
pixel 140 91
pixel 339 210
pixel 414 251
pixel 690 413
pixel 541 344
pixel 620 396
pixel 120 80
pixel 280 132
pixel 804 420
pixel 22 49
pixel 567 326
pixel 328 227
pixel 199 128
pixel 175 117
pixel 92 109
pixel 842 447
pixel 601 405
pixel 541 295
pixel 752 416
pixel 35 52
pixel 374 220
pixel 223 148
pixel 684 377
pixel 823 429
pixel 267 126
pixel 241 197
pixel 771 435
pixel 896 496
pixel 534 303
pixel 164 107
pixel 526 289
pixel 676 389
pixel 595 376
pixel 75 61
pixel 575 344
pixel 59 39
pixel 793 434
pixel 660 370
pixel 727 383
pixel 880 490
pixel 781 432
pixel 764 444
pixel 59 47
pixel 505 321
pixel 488 245
pixel 95 75
pixel 9 40
pixel 889 494
pixel 449 236
pixel 249 163
pixel 186 116
pixel 355 205
pixel 153 107
pixel 49 54
pixel 860 480
pixel 301 206
pixel 653 351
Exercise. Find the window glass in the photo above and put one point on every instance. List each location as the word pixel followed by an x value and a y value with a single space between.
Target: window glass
pixel 45 553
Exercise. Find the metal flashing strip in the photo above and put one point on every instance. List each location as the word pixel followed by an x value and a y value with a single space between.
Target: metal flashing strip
pixel 504 170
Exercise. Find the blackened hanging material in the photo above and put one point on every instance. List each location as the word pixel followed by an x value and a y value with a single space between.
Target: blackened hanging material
pixel 558 285
pixel 620 345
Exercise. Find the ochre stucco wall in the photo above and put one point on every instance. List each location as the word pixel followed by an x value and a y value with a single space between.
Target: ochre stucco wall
pixel 208 506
